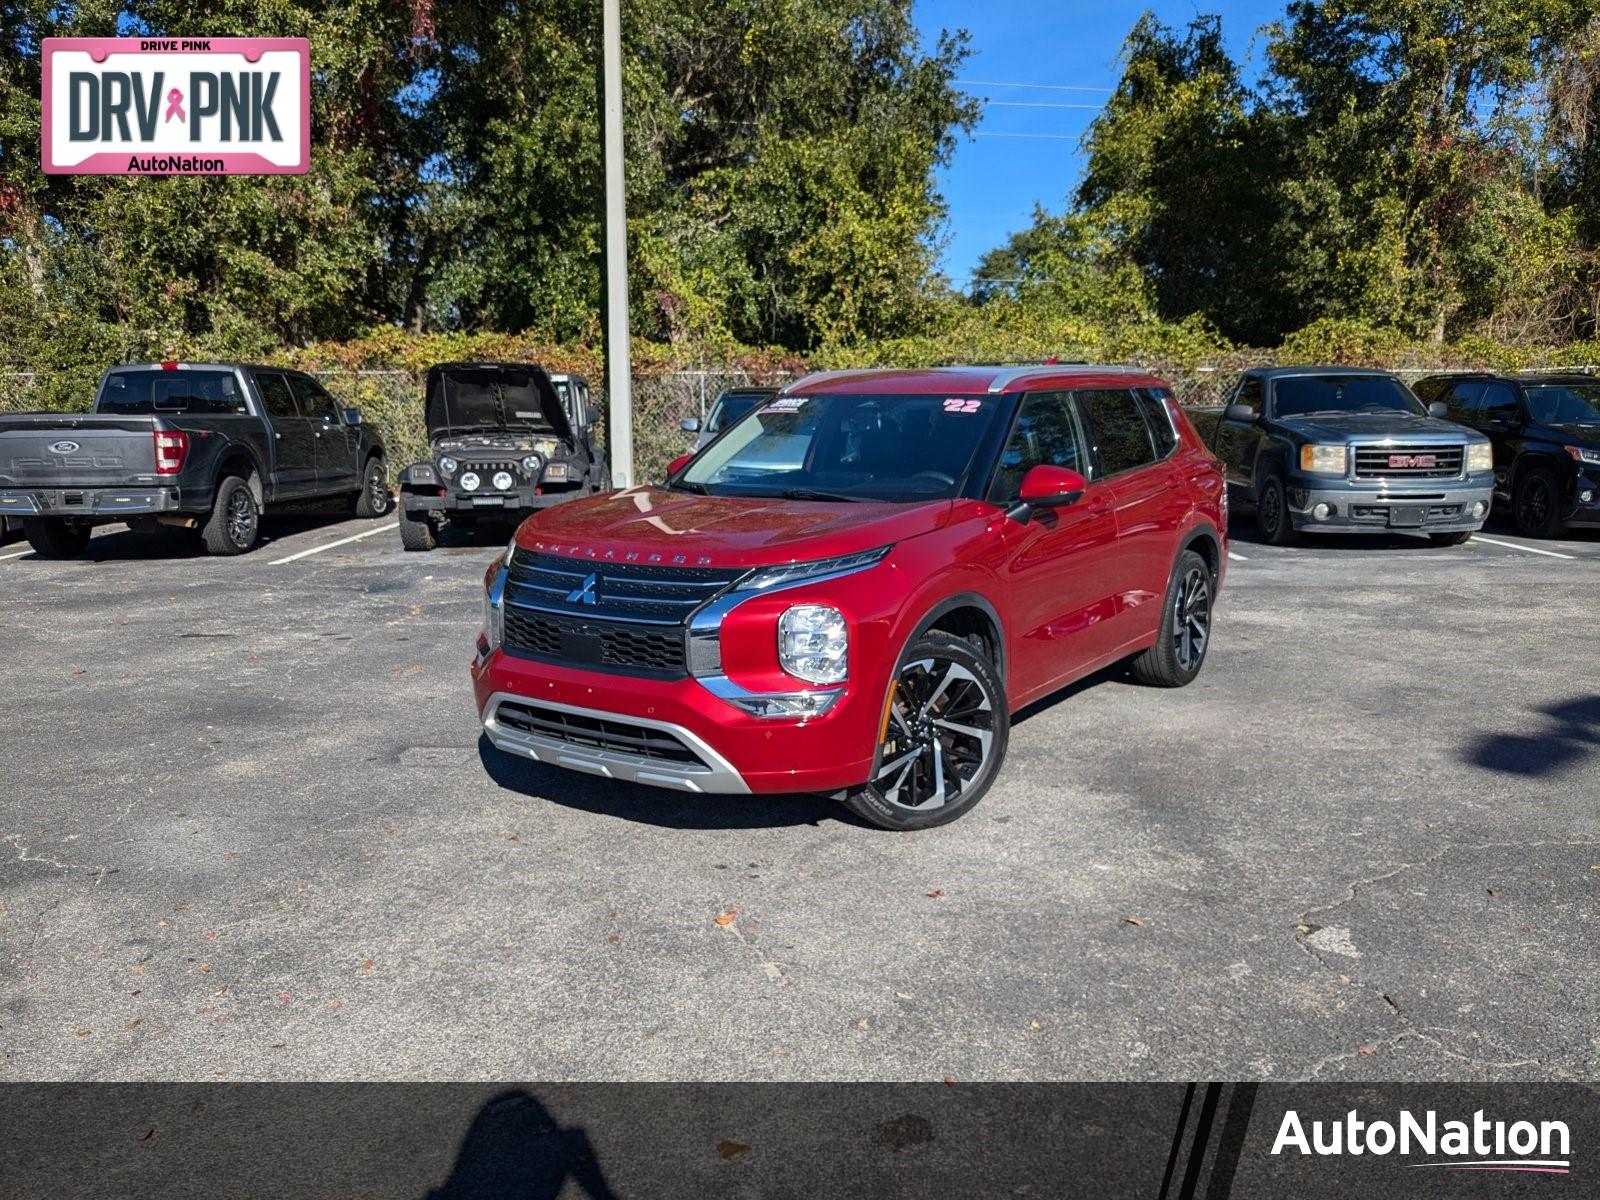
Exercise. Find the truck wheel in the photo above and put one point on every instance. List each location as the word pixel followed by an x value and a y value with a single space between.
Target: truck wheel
pixel 1273 521
pixel 373 498
pixel 235 520
pixel 55 537
pixel 1180 649
pixel 1450 539
pixel 1536 504
pixel 944 740
pixel 417 532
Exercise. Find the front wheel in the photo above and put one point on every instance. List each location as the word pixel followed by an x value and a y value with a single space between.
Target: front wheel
pixel 56 537
pixel 1180 649
pixel 944 737
pixel 1536 505
pixel 1273 521
pixel 417 532
pixel 373 498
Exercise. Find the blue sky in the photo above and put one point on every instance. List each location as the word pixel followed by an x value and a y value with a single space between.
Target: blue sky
pixel 995 181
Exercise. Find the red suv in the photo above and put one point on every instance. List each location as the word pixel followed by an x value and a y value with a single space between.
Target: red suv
pixel 851 589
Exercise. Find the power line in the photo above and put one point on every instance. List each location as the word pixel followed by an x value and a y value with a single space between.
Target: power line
pixel 1037 104
pixel 1054 137
pixel 1043 87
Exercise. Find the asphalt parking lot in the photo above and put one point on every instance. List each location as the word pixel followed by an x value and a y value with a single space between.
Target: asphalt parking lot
pixel 250 832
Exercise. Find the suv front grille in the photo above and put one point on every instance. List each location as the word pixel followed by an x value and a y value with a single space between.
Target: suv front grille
pixel 600 733
pixel 1408 462
pixel 610 590
pixel 610 645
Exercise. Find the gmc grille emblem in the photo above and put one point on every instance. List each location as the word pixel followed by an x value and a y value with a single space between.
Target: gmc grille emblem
pixel 1413 460
pixel 584 594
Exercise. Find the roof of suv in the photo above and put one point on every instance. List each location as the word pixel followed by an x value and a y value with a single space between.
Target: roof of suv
pixel 932 381
pixel 1526 378
pixel 1289 372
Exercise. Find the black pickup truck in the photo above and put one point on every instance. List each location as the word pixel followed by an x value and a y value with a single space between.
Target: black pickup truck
pixel 1345 450
pixel 207 446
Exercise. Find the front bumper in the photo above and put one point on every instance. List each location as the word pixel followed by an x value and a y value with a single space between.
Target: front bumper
pixel 496 503
pixel 1581 511
pixel 729 750
pixel 102 503
pixel 1434 509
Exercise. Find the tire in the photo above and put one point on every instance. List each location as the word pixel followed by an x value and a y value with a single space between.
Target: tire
pixel 945 675
pixel 56 537
pixel 1536 504
pixel 1180 648
pixel 373 498
pixel 1460 537
pixel 234 524
pixel 1273 521
pixel 417 532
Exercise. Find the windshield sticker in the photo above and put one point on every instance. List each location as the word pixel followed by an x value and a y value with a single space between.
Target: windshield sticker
pixel 957 405
pixel 787 404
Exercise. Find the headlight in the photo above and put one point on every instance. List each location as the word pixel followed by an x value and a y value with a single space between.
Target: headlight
pixel 771 577
pixel 531 465
pixel 502 481
pixel 1480 456
pixel 1583 455
pixel 814 643
pixel 448 465
pixel 1323 460
pixel 470 481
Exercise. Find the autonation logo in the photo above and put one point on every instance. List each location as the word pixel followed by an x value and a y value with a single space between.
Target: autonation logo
pixel 1476 1145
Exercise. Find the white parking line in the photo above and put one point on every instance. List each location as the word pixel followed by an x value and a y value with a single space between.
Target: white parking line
pixel 18 554
pixel 393 525
pixel 1478 537
pixel 1232 557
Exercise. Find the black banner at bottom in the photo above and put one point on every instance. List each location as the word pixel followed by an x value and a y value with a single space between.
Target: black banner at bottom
pixel 460 1141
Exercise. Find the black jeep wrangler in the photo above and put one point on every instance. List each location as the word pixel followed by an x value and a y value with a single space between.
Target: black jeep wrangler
pixel 506 439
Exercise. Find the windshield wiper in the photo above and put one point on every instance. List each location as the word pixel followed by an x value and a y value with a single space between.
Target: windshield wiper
pixel 683 485
pixel 814 494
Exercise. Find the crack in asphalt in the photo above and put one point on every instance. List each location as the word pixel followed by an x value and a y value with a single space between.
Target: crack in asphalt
pixel 24 855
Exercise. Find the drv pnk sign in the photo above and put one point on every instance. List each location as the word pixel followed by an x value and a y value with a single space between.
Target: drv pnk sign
pixel 176 106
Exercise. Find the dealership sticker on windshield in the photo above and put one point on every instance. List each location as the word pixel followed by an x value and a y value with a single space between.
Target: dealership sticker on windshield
pixel 176 106
pixel 787 404
pixel 957 405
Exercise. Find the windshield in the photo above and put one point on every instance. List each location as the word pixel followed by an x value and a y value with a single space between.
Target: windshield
pixel 731 407
pixel 151 391
pixel 891 448
pixel 1565 404
pixel 1298 395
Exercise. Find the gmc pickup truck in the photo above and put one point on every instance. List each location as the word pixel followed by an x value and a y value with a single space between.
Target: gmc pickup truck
pixel 206 446
pixel 1343 450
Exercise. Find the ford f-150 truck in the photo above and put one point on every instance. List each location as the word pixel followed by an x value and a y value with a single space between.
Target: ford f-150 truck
pixel 207 446
pixel 1342 450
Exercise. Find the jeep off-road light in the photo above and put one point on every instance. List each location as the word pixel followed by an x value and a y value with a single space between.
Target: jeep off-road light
pixel 530 465
pixel 470 481
pixel 502 481
pixel 1480 456
pixel 814 643
pixel 1323 460
pixel 448 465
pixel 556 471
pixel 1583 455
pixel 771 577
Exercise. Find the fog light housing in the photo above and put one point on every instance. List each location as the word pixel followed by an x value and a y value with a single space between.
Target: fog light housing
pixel 786 704
pixel 1480 509
pixel 470 481
pixel 1586 496
pixel 814 643
pixel 1322 511
pixel 502 481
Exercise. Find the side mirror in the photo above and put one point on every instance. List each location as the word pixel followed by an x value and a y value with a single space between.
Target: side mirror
pixel 1045 486
pixel 1240 412
pixel 352 416
pixel 678 464
pixel 690 424
pixel 1438 409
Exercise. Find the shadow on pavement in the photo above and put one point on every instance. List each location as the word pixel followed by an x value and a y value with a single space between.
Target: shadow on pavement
pixel 1573 734
pixel 515 1148
pixel 654 806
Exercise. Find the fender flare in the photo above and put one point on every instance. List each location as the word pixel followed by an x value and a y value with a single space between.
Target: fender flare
pixel 1204 531
pixel 257 479
pixel 966 600
pixel 417 474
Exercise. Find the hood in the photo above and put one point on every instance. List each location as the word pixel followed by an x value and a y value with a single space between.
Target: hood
pixel 474 397
pixel 723 531
pixel 1374 426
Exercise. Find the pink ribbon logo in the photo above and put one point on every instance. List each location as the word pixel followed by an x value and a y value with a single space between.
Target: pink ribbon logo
pixel 175 105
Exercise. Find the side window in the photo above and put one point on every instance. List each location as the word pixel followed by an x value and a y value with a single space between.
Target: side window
pixel 1499 403
pixel 1116 429
pixel 275 395
pixel 314 402
pixel 1162 431
pixel 1045 433
pixel 1249 393
pixel 1464 400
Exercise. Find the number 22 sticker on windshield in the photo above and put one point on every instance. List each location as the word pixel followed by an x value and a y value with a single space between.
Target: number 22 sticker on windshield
pixel 957 405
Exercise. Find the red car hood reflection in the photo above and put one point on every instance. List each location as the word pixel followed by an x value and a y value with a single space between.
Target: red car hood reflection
pixel 690 530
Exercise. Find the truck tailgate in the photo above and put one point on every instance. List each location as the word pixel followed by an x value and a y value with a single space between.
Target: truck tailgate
pixel 59 450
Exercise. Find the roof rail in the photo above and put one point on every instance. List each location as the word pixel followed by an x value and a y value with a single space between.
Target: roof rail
pixel 1584 369
pixel 1006 378
pixel 823 376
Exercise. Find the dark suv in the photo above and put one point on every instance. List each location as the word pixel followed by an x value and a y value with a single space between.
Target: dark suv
pixel 1546 434
pixel 852 588
pixel 505 439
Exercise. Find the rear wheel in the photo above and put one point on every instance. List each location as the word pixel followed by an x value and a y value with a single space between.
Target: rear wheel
pixel 56 537
pixel 1450 539
pixel 417 532
pixel 1536 504
pixel 1180 649
pixel 944 737
pixel 373 498
pixel 235 520
pixel 1273 521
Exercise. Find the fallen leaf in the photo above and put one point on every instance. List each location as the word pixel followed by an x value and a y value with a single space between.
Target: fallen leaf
pixel 210 935
pixel 1494 893
pixel 731 1149
pixel 936 894
pixel 227 856
pixel 335 1004
pixel 367 966
pixel 863 1024
pixel 283 996
pixel 726 918
pixel 146 1135
pixel 82 1032
pixel 416 611
pixel 948 1082
pixel 1033 1024
pixel 122 623
pixel 279 1045
pixel 1364 1050
pixel 163 924
pixel 1139 921
pixel 205 968
pixel 135 1023
pixel 137 968
pixel 614 938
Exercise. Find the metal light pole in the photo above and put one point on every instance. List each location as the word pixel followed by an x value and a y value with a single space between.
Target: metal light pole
pixel 619 368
